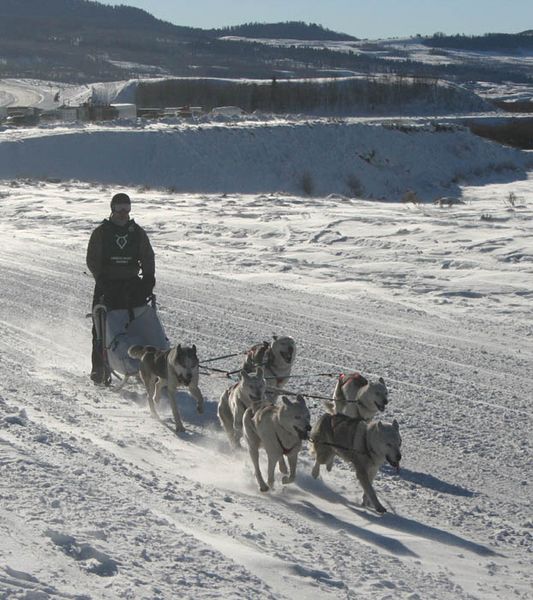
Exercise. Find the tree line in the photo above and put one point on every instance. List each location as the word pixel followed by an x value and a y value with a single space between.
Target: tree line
pixel 341 97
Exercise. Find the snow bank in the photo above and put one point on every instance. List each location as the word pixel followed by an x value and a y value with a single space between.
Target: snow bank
pixel 313 157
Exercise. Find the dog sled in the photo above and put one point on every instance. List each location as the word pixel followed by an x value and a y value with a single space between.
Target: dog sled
pixel 118 329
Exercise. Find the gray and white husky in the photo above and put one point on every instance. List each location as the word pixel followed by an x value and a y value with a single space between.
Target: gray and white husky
pixel 279 429
pixel 177 367
pixel 248 392
pixel 276 358
pixel 357 397
pixel 365 445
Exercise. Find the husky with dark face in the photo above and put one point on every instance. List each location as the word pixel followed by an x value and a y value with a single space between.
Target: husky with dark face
pixel 248 392
pixel 365 445
pixel 279 429
pixel 276 358
pixel 177 367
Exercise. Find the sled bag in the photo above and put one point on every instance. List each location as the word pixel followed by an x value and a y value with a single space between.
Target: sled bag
pixel 145 329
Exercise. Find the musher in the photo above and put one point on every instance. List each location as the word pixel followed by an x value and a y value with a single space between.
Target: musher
pixel 121 260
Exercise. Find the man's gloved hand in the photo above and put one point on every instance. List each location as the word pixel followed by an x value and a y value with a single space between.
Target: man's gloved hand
pixel 148 283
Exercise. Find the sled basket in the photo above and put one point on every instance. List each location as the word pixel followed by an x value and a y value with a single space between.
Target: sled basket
pixel 125 328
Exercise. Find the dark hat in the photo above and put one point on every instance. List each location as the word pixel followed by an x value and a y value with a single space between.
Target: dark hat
pixel 120 198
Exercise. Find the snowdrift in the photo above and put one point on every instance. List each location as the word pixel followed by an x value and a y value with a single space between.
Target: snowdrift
pixel 313 157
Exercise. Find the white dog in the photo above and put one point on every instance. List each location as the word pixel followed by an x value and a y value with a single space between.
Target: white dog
pixel 365 445
pixel 172 368
pixel 276 358
pixel 248 392
pixel 279 429
pixel 357 397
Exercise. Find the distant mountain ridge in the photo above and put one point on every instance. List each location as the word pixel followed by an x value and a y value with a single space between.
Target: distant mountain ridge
pixel 82 41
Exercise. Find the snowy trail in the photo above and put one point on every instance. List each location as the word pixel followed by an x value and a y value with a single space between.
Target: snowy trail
pixel 101 501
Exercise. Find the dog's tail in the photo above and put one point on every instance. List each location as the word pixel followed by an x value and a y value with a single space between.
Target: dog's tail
pixel 139 351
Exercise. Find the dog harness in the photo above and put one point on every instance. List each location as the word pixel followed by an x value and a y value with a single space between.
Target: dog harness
pixel 357 378
pixel 261 355
pixel 285 450
pixel 344 378
pixel 339 419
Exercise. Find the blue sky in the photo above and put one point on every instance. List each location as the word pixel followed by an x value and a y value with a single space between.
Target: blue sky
pixel 361 18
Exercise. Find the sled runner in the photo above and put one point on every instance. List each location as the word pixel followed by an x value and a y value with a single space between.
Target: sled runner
pixel 119 329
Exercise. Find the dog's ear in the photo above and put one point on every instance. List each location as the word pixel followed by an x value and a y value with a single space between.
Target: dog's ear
pixel 194 349
pixel 381 380
pixel 395 425
pixel 285 401
pixel 300 399
pixel 274 336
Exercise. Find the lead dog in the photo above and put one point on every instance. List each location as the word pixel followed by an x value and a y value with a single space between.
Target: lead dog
pixel 357 397
pixel 177 367
pixel 276 358
pixel 279 429
pixel 248 392
pixel 365 445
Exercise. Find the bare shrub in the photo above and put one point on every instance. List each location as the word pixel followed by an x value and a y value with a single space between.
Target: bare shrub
pixel 306 183
pixel 511 199
pixel 410 197
pixel 448 201
pixel 355 186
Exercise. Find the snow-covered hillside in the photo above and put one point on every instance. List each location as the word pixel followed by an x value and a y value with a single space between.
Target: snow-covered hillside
pixel 316 157
pixel 101 501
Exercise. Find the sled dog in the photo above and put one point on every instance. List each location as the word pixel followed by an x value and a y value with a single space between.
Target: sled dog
pixel 357 397
pixel 279 429
pixel 177 367
pixel 365 445
pixel 276 358
pixel 248 392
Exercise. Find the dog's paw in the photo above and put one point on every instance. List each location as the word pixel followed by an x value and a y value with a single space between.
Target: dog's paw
pixel 286 479
pixel 381 509
pixel 180 429
pixel 264 488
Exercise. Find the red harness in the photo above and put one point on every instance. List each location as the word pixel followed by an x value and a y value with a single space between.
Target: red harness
pixel 343 378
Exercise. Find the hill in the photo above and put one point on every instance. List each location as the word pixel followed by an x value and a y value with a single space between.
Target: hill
pixel 78 41
pixel 297 30
pixel 81 41
pixel 74 17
